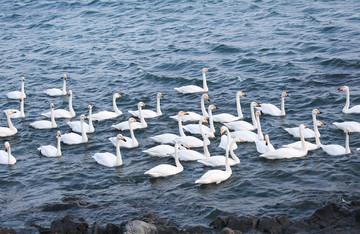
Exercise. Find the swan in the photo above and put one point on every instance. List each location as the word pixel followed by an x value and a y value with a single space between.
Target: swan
pixel 137 125
pixel 270 109
pixel 130 142
pixel 192 155
pixel 197 128
pixel 18 94
pixel 225 139
pixel 283 153
pixel 163 150
pixel 352 125
pixel 193 141
pixel 76 125
pixel 45 124
pixel 57 92
pixel 194 88
pixel 217 176
pixel 262 146
pixel 74 138
pixel 243 125
pixel 103 115
pixel 109 159
pixel 192 116
pixel 225 117
pixel 6 156
pixel 18 114
pixel 308 133
pixel 164 170
pixel 214 161
pixel 335 150
pixel 51 151
pixel 11 130
pixel 150 113
pixel 346 109
pixel 245 135
pixel 61 113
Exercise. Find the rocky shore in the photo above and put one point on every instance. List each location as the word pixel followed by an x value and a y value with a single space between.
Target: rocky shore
pixel 332 218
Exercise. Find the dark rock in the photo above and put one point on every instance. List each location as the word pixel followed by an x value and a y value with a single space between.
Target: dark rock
pixel 219 222
pixel 357 215
pixel 105 228
pixel 167 230
pixel 4 230
pixel 138 227
pixel 154 219
pixel 195 229
pixel 242 223
pixel 68 225
pixel 58 207
pixel 230 231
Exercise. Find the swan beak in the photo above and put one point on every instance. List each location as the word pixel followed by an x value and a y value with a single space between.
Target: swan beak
pixel 162 96
pixel 122 138
pixel 6 148
pixel 89 106
pixel 21 99
pixel 188 147
pixel 134 120
pixel 214 107
pixel 52 105
pixel 12 112
pixel 59 134
pixel 321 123
pixel 286 95
pixel 70 92
pixel 260 113
pixel 240 141
pixel 207 70
pixel 205 121
pixel 22 78
pixel 207 98
pixel 243 94
pixel 317 111
pixel 305 126
pixel 85 117
pixel 341 89
pixel 348 131
pixel 221 132
pixel 65 76
pixel 119 95
pixel 184 113
pixel 143 104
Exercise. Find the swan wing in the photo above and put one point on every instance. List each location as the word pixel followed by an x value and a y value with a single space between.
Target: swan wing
pixel 14 95
pixel 191 141
pixel 76 126
pixel 224 142
pixel 225 117
pixel 41 124
pixel 269 109
pixel 240 125
pixel 284 153
pixel 245 136
pixel 103 115
pixel 191 116
pixel 298 145
pixel 48 150
pixel 163 170
pixel 54 92
pixel 190 89
pixel 353 110
pixel 213 176
pixel 166 138
pixel 352 125
pixel 161 151
pixel 195 128
pixel 334 150
pixel 71 138
pixel 147 114
pixel 190 155
pixel 4 131
pixel 105 159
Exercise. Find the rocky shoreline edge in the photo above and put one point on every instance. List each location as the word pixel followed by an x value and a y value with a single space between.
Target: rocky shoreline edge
pixel 332 218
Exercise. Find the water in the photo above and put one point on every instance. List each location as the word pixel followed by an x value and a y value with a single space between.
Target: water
pixel 139 48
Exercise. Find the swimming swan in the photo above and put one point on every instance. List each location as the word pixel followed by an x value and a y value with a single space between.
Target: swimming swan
pixel 335 150
pixel 194 88
pixel 103 115
pixel 308 133
pixel 61 113
pixel 57 92
pixel 109 159
pixel 351 125
pixel 18 94
pixel 271 109
pixel 197 128
pixel 192 116
pixel 162 150
pixel 130 142
pixel 150 113
pixel 76 125
pixel 243 125
pixel 225 139
pixel 51 151
pixel 164 170
pixel 18 113
pixel 136 125
pixel 74 138
pixel 46 124
pixel 346 109
pixel 6 157
pixel 262 146
pixel 11 130
pixel 225 117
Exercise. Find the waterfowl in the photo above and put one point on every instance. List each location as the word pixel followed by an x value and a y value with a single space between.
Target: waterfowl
pixel 270 109
pixel 18 113
pixel 109 159
pixel 6 157
pixel 262 146
pixel 136 125
pixel 193 116
pixel 76 125
pixel 308 133
pixel 130 142
pixel 18 94
pixel 335 150
pixel 61 113
pixel 150 113
pixel 194 88
pixel 243 125
pixel 58 92
pixel 346 109
pixel 11 130
pixel 225 139
pixel 74 138
pixel 225 117
pixel 51 151
pixel 46 124
pixel 103 115
pixel 351 125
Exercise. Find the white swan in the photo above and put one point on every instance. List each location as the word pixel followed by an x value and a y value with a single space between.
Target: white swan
pixel 346 109
pixel 76 125
pixel 243 125
pixel 150 113
pixel 262 146
pixel 245 135
pixel 193 141
pixel 18 113
pixel 52 151
pixel 103 115
pixel 270 109
pixel 18 94
pixel 164 170
pixel 192 155
pixel 219 160
pixel 217 176
pixel 283 153
pixel 11 130
pixel 163 151
pixel 6 157
pixel 57 92
pixel 197 128
pixel 131 141
pixel 225 139
pixel 192 116
pixel 109 159
pixel 352 125
pixel 335 150
pixel 74 138
pixel 137 125
pixel 194 88
pixel 308 133
pixel 61 113
pixel 46 124
pixel 225 117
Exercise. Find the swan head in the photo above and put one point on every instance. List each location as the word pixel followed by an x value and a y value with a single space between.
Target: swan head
pixel 253 104
pixel 64 76
pixel 237 139
pixel 344 88
pixel 319 123
pixel 10 112
pixel 348 131
pixel 223 129
pixel 284 94
pixel 211 107
pixel 205 70
pixel 70 92
pixel 302 126
pixel 205 96
pixel 52 106
pixel 21 99
pixel 259 113
pixel 132 120
pixel 22 79
pixel 267 139
pixel 315 111
pixel 83 117
pixel 159 95
pixel 117 95
pixel 58 134
pixel 90 107
pixel 182 113
pixel 120 137
pixel 141 104
pixel 239 93
pixel 7 146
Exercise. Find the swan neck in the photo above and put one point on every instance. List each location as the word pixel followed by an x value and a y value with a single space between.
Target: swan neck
pixel 203 109
pixel 118 154
pixel 347 104
pixel 253 116
pixel 283 105
pixel 23 89
pixel 158 108
pixel 22 113
pixel 83 131
pixel 142 119
pixel 211 120
pixel 71 109
pixel 233 155
pixel 11 126
pixel 116 109
pixel 64 87
pixel 181 130
pixel 53 123
pixel 91 126
pixel 303 145
pixel 133 139
pixel 227 163
pixel 347 147
pixel 205 87
pixel 259 131
pixel 9 154
pixel 238 107
pixel 177 162
pixel 206 150
pixel 58 148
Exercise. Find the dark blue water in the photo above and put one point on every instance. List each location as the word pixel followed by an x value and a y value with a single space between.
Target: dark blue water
pixel 138 48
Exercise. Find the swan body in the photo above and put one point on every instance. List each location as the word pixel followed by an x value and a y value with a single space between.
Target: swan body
pixel 46 124
pixel 217 176
pixel 130 142
pixel 194 88
pixel 61 113
pixel 18 113
pixel 164 170
pixel 108 159
pixel 308 133
pixel 18 94
pixel 76 125
pixel 225 117
pixel 11 130
pixel 347 109
pixel 103 115
pixel 264 146
pixel 197 128
pixel 74 138
pixel 57 92
pixel 270 109
pixel 6 157
pixel 225 139
pixel 351 125
pixel 160 151
pixel 192 116
pixel 284 153
pixel 150 113
pixel 51 151
pixel 335 150
pixel 193 141
pixel 136 125
pixel 245 135
pixel 243 125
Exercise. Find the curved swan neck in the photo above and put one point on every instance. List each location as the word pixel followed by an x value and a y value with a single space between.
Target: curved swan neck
pixel 227 163
pixel 316 129
pixel 133 139
pixel 71 109
pixel 205 87
pixel 211 120
pixel 53 123
pixel 22 113
pixel 347 104
pixel 64 87
pixel 253 115
pixel 142 119
pixel 303 145
pixel 233 155
pixel 23 89
pixel 118 153
pixel 116 109
pixel 259 131
pixel 347 147
pixel 11 126
pixel 83 131
pixel 206 150
pixel 203 109
pixel 58 148
pixel 177 162
pixel 158 108
pixel 283 105
pixel 238 107
pixel 91 126
pixel 181 130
